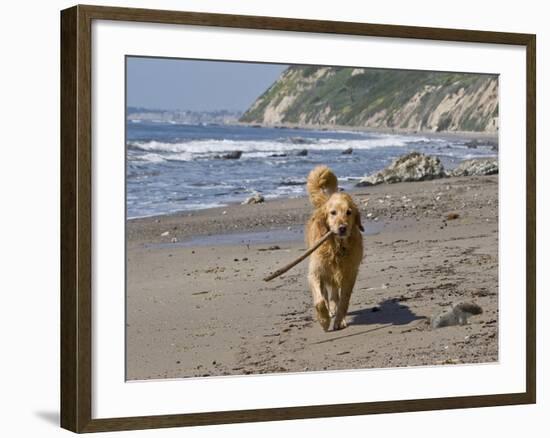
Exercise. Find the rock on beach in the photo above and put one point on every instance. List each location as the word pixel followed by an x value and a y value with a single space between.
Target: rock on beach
pixel 257 198
pixel 476 167
pixel 420 167
pixel 411 167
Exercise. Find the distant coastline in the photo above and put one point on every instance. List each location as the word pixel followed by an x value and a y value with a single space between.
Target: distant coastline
pixel 485 135
pixel 184 117
pixel 231 118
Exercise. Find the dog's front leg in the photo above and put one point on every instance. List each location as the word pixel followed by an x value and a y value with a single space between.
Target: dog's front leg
pixel 319 300
pixel 343 304
pixel 333 302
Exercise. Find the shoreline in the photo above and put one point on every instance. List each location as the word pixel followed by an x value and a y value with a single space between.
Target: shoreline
pixel 257 236
pixel 445 134
pixel 290 212
pixel 202 309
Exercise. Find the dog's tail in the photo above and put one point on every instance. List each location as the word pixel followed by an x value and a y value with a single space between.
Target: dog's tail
pixel 321 183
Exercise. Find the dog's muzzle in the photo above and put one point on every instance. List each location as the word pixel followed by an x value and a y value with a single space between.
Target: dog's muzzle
pixel 342 229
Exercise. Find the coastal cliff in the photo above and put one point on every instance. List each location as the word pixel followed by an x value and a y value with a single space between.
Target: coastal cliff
pixel 379 99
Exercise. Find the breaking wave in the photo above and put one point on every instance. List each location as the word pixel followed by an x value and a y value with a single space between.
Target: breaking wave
pixel 189 150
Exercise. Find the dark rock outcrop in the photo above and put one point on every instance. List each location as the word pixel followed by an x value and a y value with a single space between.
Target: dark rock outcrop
pixel 474 144
pixel 298 140
pixel 234 155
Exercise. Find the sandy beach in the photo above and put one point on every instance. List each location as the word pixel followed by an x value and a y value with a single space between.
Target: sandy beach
pixel 197 305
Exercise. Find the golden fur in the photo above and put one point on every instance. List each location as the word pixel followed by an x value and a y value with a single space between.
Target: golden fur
pixel 334 266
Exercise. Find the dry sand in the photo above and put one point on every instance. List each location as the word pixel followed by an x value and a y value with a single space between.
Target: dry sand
pixel 199 307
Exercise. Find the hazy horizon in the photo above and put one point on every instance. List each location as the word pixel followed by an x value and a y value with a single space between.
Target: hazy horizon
pixel 196 85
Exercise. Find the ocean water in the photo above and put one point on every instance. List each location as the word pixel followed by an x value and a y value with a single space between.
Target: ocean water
pixel 172 168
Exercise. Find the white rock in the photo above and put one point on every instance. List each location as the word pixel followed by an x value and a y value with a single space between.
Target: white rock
pixel 257 198
pixel 477 167
pixel 410 167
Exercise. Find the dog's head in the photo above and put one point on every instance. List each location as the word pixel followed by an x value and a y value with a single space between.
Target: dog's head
pixel 341 215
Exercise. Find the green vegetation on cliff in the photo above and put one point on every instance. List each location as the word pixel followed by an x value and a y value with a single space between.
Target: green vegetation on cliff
pixel 377 98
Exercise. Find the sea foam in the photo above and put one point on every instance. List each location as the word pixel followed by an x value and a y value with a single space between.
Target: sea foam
pixel 197 149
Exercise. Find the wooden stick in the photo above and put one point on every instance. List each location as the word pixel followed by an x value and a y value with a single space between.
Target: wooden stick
pixel 299 259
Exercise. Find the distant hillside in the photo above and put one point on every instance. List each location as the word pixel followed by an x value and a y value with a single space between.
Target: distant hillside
pixel 182 116
pixel 376 98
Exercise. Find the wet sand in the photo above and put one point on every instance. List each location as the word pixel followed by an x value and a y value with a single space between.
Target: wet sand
pixel 197 305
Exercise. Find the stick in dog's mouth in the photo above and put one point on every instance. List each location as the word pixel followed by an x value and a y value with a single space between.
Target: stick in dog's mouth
pixel 299 259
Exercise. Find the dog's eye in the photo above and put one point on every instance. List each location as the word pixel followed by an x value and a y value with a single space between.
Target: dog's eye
pixel 348 212
pixel 333 212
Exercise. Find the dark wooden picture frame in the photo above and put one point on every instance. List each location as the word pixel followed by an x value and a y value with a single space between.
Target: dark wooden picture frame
pixel 76 218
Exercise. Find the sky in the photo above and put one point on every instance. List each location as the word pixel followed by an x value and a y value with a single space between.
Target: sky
pixel 171 84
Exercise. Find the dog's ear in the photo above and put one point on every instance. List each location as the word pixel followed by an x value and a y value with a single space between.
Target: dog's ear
pixel 358 219
pixel 320 223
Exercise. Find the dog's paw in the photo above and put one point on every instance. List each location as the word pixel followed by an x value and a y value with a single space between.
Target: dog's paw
pixel 339 325
pixel 323 315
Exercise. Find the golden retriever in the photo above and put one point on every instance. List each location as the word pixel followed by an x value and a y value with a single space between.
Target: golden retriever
pixel 334 266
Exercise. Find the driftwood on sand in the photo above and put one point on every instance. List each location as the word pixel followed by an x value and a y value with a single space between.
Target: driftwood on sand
pixel 299 259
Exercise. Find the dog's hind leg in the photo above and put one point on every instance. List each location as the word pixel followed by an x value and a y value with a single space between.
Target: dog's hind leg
pixel 319 300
